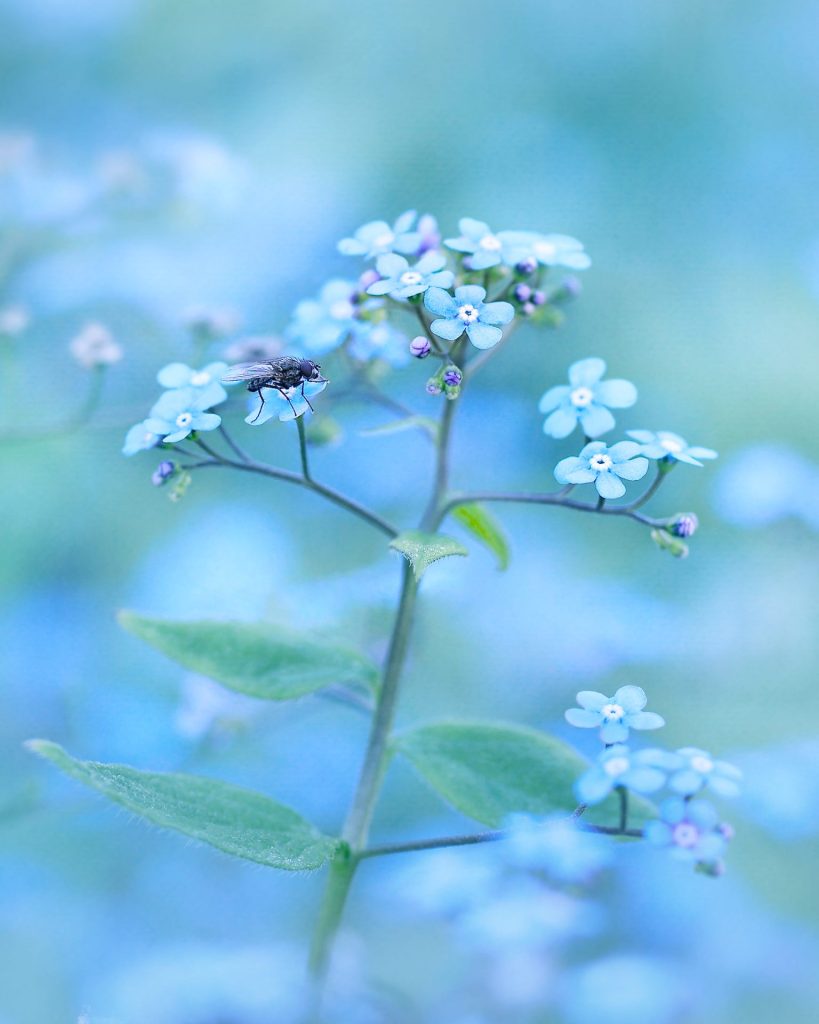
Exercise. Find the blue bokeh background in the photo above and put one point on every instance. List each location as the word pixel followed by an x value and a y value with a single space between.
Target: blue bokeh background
pixel 157 156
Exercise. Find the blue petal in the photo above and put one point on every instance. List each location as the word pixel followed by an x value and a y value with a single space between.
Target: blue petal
pixel 624 450
pixel 174 375
pixel 497 313
pixel 460 244
pixel 473 229
pixel 472 294
pixel 206 421
pixel 553 397
pixel 482 259
pixel 351 247
pixel 643 436
pixel 440 302
pixel 561 422
pixel 619 394
pixel 592 448
pixel 408 243
pixel 404 222
pixel 594 786
pixel 702 814
pixel 609 486
pixel 634 470
pixel 583 719
pixel 643 779
pixel 657 833
pixel 646 720
pixel 443 279
pixel 391 264
pixel 384 287
pixel 595 420
pixel 686 782
pixel 483 335
pixel 702 453
pixel 631 698
pixel 430 262
pixel 572 464
pixel 449 330
pixel 723 786
pixel 592 700
pixel 613 732
pixel 586 372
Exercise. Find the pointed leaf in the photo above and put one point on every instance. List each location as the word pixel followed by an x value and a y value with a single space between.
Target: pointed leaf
pixel 486 528
pixel 257 659
pixel 237 821
pixel 489 771
pixel 422 549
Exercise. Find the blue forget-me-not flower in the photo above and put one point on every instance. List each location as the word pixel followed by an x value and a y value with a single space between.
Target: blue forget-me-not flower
pixel 377 237
pixel 605 467
pixel 614 715
pixel 697 770
pixel 690 828
pixel 468 312
pixel 206 383
pixel 585 400
pixel 323 323
pixel 481 245
pixel 379 340
pixel 179 412
pixel 547 250
pixel 401 281
pixel 140 438
pixel 662 444
pixel 555 845
pixel 643 771
pixel 288 405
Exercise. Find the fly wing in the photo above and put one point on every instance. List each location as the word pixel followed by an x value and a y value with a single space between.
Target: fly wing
pixel 247 371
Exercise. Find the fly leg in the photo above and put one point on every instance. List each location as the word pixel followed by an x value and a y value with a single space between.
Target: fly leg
pixel 284 393
pixel 310 407
pixel 260 393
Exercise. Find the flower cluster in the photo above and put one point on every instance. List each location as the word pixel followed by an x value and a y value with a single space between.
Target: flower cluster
pixel 688 826
pixel 182 408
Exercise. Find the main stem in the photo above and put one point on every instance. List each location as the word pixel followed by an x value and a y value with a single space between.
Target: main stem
pixel 357 825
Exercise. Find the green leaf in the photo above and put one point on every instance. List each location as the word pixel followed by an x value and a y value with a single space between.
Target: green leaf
pixel 235 820
pixel 256 659
pixel 489 771
pixel 422 549
pixel 483 525
pixel 424 423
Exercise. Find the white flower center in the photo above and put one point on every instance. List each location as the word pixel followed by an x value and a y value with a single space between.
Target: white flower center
pixel 200 379
pixel 581 397
pixel 702 764
pixel 544 251
pixel 616 766
pixel 612 712
pixel 600 463
pixel 468 313
pixel 671 445
pixel 685 834
pixel 411 277
pixel 490 243
pixel 384 240
pixel 184 419
pixel 341 310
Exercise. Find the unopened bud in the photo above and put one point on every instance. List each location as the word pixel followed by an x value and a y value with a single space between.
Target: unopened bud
pixel 452 376
pixel 163 473
pixel 522 292
pixel 434 386
pixel 420 347
pixel 663 539
pixel 528 308
pixel 684 525
pixel 539 298
pixel 526 267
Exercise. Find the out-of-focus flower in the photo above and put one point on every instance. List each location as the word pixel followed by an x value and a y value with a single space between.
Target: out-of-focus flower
pixel 662 444
pixel 585 400
pixel 401 281
pixel 614 715
pixel 700 771
pixel 605 467
pixel 377 237
pixel 163 473
pixel 140 438
pixel 468 312
pixel 768 482
pixel 378 341
pixel 287 405
pixel 212 322
pixel 95 346
pixel 178 413
pixel 430 235
pixel 205 383
pixel 547 250
pixel 256 348
pixel 643 771
pixel 13 320
pixel 782 788
pixel 481 245
pixel 624 989
pixel 690 828
pixel 555 845
pixel 321 324
pixel 447 882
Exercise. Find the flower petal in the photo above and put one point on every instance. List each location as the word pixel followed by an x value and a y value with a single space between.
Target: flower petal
pixel 643 779
pixel 440 302
pixel 614 732
pixel 609 486
pixel 646 720
pixel 449 330
pixel 631 698
pixel 583 719
pixel 593 786
pixel 553 397
pixel 686 782
pixel 390 264
pixel 483 335
pixel 586 372
pixel 596 420
pixel 561 422
pixel 497 313
pixel 619 394
pixel 592 700
pixel 470 293
pixel 634 469
pixel 174 375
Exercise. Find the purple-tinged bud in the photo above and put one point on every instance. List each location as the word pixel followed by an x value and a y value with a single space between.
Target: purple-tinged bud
pixel 684 525
pixel 726 831
pixel 420 347
pixel 528 308
pixel 434 386
pixel 368 278
pixel 539 298
pixel 452 377
pixel 163 472
pixel 526 267
pixel 522 293
pixel 712 868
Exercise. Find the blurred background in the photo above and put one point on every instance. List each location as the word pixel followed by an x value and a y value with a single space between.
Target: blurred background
pixel 159 157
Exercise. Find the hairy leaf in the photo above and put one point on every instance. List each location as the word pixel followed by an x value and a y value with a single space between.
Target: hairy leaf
pixel 256 659
pixel 489 771
pixel 422 549
pixel 237 821
pixel 483 525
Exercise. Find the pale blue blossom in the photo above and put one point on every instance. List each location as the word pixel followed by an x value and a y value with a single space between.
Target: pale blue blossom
pixel 284 405
pixel 698 770
pixel 614 716
pixel 468 312
pixel 140 438
pixel 401 281
pixel 605 467
pixel 206 383
pixel 662 444
pixel 379 340
pixel 178 413
pixel 555 845
pixel 643 771
pixel 482 247
pixel 585 400
pixel 321 324
pixel 690 828
pixel 378 237
pixel 547 250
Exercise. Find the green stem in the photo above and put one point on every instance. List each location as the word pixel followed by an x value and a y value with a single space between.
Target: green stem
pixel 339 879
pixel 558 498
pixel 305 465
pixel 623 794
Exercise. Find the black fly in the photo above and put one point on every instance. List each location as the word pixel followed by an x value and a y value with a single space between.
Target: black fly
pixel 282 374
